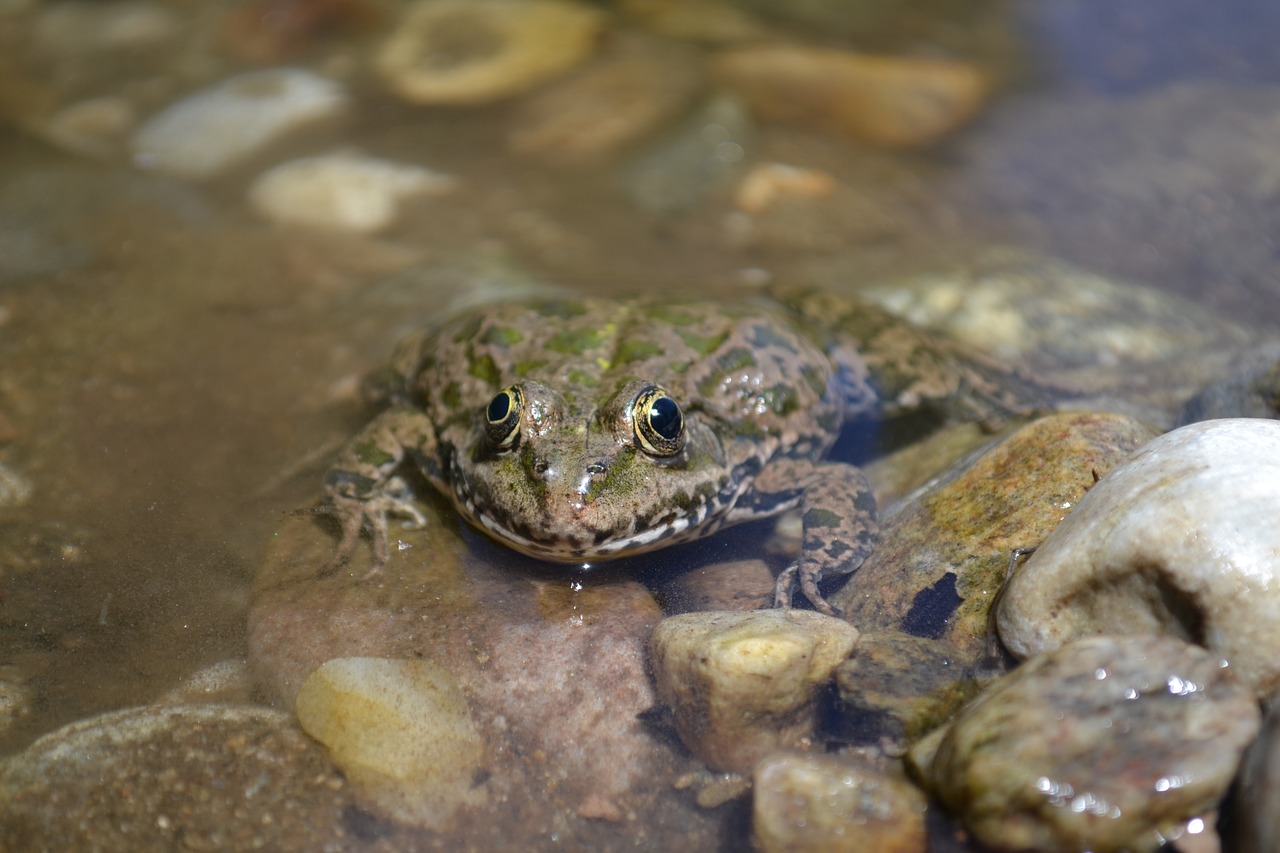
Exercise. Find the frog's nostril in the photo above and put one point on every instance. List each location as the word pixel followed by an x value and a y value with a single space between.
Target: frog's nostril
pixel 540 466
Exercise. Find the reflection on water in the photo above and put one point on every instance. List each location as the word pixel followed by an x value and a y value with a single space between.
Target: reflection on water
pixel 175 373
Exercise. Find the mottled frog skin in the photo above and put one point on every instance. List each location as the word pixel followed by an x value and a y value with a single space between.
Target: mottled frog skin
pixel 583 429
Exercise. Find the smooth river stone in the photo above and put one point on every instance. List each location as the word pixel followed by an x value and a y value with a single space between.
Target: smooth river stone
pixel 464 52
pixel 402 733
pixel 1180 540
pixel 742 684
pixel 1106 744
pixel 215 129
pixel 882 100
pixel 834 804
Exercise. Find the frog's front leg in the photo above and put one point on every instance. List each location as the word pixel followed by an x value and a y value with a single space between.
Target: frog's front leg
pixel 357 484
pixel 838 512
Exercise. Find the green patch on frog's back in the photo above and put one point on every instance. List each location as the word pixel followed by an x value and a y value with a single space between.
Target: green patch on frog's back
pixel 732 361
pixel 483 367
pixel 633 350
pixel 575 341
pixel 503 337
pixel 703 344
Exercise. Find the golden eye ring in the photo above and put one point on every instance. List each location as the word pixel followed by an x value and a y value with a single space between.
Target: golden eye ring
pixel 503 416
pixel 658 422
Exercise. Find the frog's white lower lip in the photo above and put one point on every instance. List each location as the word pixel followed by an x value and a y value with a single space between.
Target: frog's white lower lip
pixel 565 551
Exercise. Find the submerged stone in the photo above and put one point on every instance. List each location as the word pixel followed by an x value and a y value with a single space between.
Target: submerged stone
pixel 741 684
pixel 166 777
pixel 475 51
pixel 212 130
pixel 402 733
pixel 882 100
pixel 834 803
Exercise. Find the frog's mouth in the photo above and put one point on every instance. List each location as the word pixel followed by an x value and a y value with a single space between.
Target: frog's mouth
pixel 594 545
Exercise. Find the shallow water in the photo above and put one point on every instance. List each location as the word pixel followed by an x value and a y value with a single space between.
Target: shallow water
pixel 175 374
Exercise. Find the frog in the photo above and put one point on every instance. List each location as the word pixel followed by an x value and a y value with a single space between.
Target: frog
pixel 581 429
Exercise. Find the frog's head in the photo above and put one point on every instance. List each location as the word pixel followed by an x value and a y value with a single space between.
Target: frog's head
pixel 571 481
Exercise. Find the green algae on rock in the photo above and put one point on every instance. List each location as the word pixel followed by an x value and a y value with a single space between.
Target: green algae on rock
pixel 944 552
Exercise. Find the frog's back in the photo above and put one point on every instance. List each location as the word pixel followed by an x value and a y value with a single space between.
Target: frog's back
pixel 744 364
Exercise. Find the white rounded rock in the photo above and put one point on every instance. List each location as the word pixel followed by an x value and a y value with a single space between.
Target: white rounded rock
pixel 219 127
pixel 342 191
pixel 1181 539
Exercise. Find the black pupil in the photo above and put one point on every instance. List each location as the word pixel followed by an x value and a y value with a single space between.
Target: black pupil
pixel 499 407
pixel 664 417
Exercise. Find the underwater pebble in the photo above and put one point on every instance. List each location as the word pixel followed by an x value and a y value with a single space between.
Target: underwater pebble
pixel 97 128
pixel 227 681
pixel 895 687
pixel 477 51
pixel 402 733
pixel 190 777
pixel 634 90
pixel 881 100
pixel 727 585
pixel 1106 744
pixel 766 183
pixel 834 803
pixel 1181 539
pixel 741 684
pixel 1065 314
pixel 343 191
pixel 217 128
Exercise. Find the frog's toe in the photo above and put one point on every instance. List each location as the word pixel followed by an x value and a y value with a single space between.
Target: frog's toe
pixel 809 586
pixel 354 516
pixel 794 575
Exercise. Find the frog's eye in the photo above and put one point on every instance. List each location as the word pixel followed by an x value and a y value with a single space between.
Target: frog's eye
pixel 659 425
pixel 502 417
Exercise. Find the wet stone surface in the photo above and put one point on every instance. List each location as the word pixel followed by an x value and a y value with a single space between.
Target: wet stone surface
pixel 1178 540
pixel 944 552
pixel 741 685
pixel 207 777
pixel 1107 744
pixel 835 803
